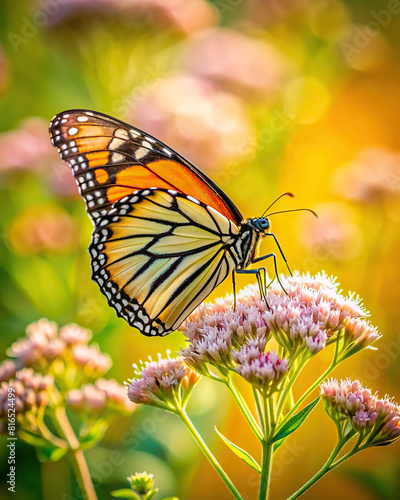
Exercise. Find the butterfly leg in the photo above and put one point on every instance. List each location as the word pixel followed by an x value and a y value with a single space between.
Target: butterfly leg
pixel 281 252
pixel 275 266
pixel 261 285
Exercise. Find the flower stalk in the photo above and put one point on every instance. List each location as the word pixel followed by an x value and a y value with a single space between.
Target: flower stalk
pixel 76 456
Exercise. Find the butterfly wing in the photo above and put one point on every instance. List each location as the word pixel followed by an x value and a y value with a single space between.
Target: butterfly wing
pixel 111 159
pixel 156 256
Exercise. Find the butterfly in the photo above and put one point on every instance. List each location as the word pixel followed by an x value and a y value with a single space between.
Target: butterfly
pixel 165 235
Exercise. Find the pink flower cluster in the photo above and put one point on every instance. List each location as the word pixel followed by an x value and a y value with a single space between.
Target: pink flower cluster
pixel 98 397
pixel 306 318
pixel 45 342
pixel 378 419
pixel 262 370
pixel 213 330
pixel 162 383
pixel 27 391
pixel 312 312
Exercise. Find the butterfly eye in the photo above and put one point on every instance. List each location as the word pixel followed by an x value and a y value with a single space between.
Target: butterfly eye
pixel 263 224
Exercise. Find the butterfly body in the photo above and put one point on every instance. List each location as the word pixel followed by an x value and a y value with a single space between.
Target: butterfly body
pixel 164 234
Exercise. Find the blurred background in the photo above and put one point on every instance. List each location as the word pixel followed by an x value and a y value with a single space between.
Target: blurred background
pixel 265 96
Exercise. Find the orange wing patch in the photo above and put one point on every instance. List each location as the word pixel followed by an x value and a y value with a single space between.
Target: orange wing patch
pixel 110 160
pixel 188 183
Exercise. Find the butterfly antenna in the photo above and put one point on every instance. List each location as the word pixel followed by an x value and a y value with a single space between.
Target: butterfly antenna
pixel 295 210
pixel 279 197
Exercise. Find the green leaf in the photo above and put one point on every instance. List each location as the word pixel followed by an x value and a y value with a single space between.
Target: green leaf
pixel 246 457
pixel 278 443
pixel 125 493
pixel 50 454
pixel 90 437
pixel 295 421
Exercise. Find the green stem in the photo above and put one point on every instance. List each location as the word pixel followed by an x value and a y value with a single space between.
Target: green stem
pixel 329 465
pixel 288 388
pixel 199 440
pixel 76 455
pixel 327 372
pixel 245 409
pixel 267 452
pixel 260 414
pixel 267 448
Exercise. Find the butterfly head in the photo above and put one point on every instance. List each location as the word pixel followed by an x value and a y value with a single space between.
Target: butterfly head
pixel 260 224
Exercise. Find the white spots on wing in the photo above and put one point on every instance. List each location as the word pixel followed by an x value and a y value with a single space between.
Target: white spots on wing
pixel 63 146
pixel 134 133
pixel 169 153
pixel 146 192
pixel 147 145
pixel 134 199
pixel 101 201
pixel 117 157
pixel 121 133
pixel 140 153
pixel 91 204
pixel 116 142
pixel 91 183
pixel 97 193
pixel 89 113
pixel 82 118
pixel 171 191
pixel 72 131
pixel 193 199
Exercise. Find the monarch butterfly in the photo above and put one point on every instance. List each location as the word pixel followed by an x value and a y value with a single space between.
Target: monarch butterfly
pixel 164 234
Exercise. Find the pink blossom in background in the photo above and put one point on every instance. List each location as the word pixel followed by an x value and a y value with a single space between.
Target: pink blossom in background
pixel 248 66
pixel 27 147
pixel 335 234
pixel 187 16
pixel 206 125
pixel 44 229
pixel 372 177
pixel 267 13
